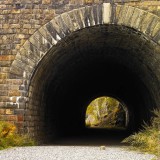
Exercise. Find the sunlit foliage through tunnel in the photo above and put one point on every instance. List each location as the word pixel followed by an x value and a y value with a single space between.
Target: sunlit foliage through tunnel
pixel 106 113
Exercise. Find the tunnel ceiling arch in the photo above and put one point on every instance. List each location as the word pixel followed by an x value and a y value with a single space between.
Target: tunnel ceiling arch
pixel 55 55
pixel 34 49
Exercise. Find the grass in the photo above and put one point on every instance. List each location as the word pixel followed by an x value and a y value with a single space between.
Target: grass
pixel 10 138
pixel 148 139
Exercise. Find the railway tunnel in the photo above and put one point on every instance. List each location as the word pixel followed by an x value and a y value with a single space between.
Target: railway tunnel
pixel 96 61
pixel 79 56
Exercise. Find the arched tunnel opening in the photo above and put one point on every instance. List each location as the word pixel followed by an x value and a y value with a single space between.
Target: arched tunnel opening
pixel 96 61
pixel 107 113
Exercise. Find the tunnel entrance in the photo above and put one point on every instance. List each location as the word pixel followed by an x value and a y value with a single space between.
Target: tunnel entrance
pixel 95 61
pixel 106 113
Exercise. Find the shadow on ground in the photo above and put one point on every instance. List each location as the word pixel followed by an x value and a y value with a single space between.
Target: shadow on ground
pixel 91 137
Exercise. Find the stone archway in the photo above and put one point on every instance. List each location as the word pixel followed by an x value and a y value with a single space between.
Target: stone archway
pixel 127 44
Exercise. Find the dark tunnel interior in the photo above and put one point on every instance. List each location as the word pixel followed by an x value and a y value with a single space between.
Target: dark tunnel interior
pixel 99 61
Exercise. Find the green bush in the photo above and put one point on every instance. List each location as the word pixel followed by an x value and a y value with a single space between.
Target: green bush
pixel 10 138
pixel 148 139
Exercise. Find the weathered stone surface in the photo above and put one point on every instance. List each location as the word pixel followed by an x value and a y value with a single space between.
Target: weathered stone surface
pixel 80 17
pixel 2 111
pixel 28 49
pixel 7 57
pixel 90 16
pixel 66 19
pixel 3 75
pixel 156 29
pixel 100 16
pixel 106 13
pixel 28 30
pixel 137 18
pixel 129 14
pixel 54 29
pixel 157 38
pixel 14 93
pixel 147 21
pixel 122 15
pixel 40 42
pixel 152 26
pixel 62 25
pixel 46 1
pixel 9 111
pixel 47 35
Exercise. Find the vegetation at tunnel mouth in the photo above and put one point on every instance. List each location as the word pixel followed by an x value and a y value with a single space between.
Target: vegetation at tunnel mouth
pixel 9 136
pixel 148 139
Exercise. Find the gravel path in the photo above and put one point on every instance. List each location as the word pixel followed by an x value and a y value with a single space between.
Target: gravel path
pixel 71 153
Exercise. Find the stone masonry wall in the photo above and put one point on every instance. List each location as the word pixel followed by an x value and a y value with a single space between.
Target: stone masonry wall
pixel 19 19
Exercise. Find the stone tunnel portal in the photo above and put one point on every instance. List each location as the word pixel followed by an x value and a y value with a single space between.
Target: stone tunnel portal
pixel 95 61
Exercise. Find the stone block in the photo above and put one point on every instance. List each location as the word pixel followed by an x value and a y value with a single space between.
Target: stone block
pixel 47 35
pixel 28 47
pixel 3 118
pixel 20 118
pixel 95 14
pixel 5 26
pixel 122 14
pixel 15 81
pixel 5 63
pixel 14 76
pixel 3 81
pixel 3 6
pixel 14 93
pixel 7 57
pixel 9 111
pixel 16 71
pixel 46 1
pixel 157 38
pixel 107 13
pixel 152 26
pixel 5 69
pixel 21 36
pixel 11 105
pixel 129 14
pixel 13 87
pixel 82 17
pixel 13 99
pixel 156 29
pixel 4 87
pixel 146 23
pixel 19 111
pixel 66 19
pixel 90 13
pixel 45 44
pixel 3 92
pixel 4 99
pixel 27 26
pixel 54 30
pixel 8 2
pixel 100 13
pixel 16 11
pixel 141 14
pixel 40 43
pixel 2 112
pixel 62 25
pixel 3 75
pixel 26 11
pixel 12 118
